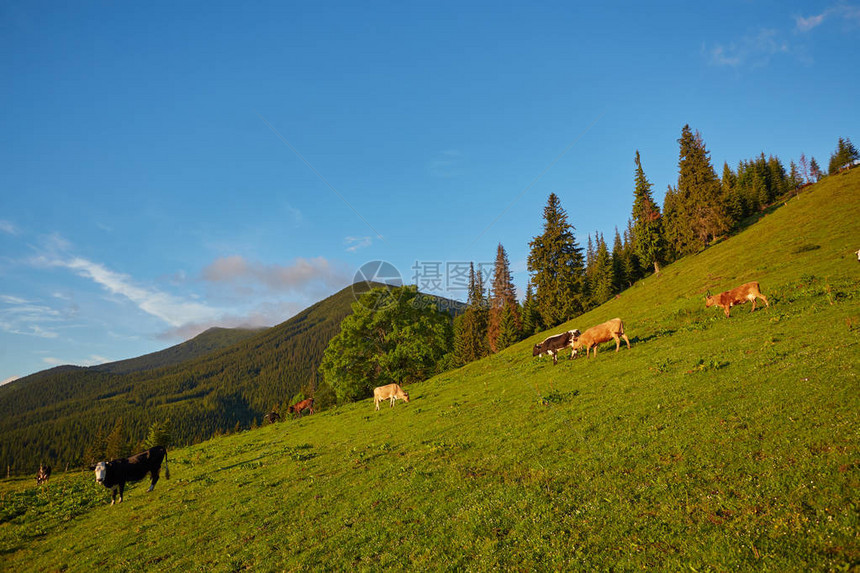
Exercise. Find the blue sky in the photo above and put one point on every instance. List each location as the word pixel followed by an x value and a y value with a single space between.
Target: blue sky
pixel 167 167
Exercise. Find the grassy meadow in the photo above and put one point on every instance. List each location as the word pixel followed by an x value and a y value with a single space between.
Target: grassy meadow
pixel 713 444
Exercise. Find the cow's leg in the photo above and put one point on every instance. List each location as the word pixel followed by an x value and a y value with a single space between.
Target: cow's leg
pixel 152 483
pixel 627 340
pixel 753 305
pixel 113 495
pixel 376 403
pixel 393 400
pixel 617 342
pixel 767 304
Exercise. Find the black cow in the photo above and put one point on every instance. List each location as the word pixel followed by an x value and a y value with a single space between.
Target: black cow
pixel 44 474
pixel 272 417
pixel 553 344
pixel 114 474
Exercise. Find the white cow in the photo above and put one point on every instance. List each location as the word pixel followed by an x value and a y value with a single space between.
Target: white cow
pixel 392 391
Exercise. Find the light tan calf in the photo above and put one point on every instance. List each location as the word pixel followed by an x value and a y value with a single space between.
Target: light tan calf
pixel 392 391
pixel 599 334
pixel 740 295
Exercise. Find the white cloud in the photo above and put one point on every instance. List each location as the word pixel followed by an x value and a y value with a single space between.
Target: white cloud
pixel 355 243
pixel 24 317
pixel 755 49
pixel 8 228
pixel 171 309
pixel 298 276
pixel 844 12
pixel 807 24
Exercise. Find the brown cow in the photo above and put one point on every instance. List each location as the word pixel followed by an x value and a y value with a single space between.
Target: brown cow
pixel 391 391
pixel 740 295
pixel 599 334
pixel 551 345
pixel 297 408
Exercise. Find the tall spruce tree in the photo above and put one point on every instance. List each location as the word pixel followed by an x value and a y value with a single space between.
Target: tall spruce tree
pixel 555 259
pixel 619 271
pixel 699 184
pixel 503 303
pixel 602 278
pixel 470 328
pixel 647 221
pixel 731 197
pixel 531 317
pixel 815 172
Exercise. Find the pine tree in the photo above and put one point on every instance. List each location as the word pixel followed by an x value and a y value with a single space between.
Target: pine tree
pixel 698 194
pixel 470 328
pixel 794 178
pixel 632 267
pixel 731 196
pixel 116 443
pixel 509 328
pixel 531 317
pixel 845 153
pixel 602 278
pixel 619 272
pixel 556 262
pixel 503 298
pixel 648 223
pixel 804 169
pixel 158 435
pixel 815 171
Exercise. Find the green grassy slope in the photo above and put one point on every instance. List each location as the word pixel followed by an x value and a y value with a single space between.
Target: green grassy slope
pixel 712 444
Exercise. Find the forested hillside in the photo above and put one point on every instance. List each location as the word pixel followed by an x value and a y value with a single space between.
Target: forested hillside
pixel 56 415
pixel 209 341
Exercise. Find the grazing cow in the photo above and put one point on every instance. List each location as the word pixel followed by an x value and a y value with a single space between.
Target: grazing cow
pixel 391 392
pixel 599 334
pixel 303 405
pixel 272 417
pixel 114 474
pixel 43 475
pixel 553 344
pixel 740 295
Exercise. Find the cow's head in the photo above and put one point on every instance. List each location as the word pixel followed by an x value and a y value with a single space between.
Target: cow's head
pixel 709 300
pixel 101 471
pixel 536 350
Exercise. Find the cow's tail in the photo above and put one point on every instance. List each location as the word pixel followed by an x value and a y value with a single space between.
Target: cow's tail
pixel 166 468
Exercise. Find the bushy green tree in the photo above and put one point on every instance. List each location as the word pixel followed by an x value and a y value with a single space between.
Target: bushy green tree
pixel 393 336
pixel 558 273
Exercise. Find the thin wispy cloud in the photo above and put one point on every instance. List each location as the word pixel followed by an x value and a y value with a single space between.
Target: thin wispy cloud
pixel 8 228
pixel 355 243
pixel 842 12
pixel 756 49
pixel 28 318
pixel 173 310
